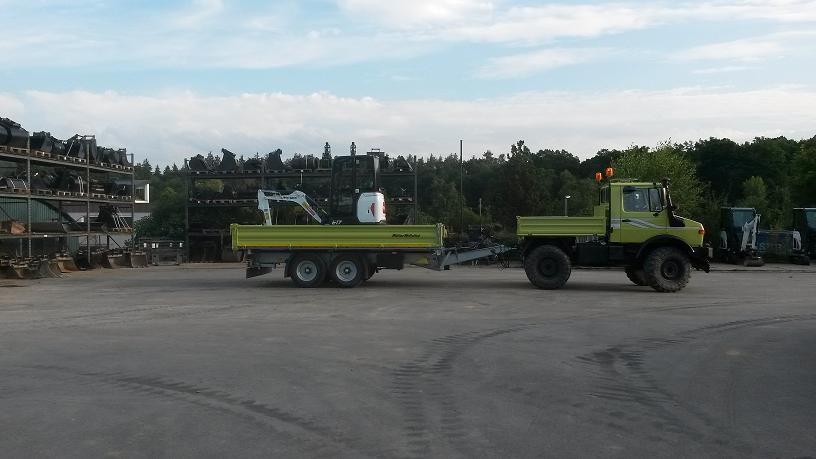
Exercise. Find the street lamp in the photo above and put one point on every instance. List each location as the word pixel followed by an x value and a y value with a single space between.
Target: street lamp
pixel 566 214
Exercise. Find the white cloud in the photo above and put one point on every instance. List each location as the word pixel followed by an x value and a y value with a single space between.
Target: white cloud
pixel 526 64
pixel 170 127
pixel 754 49
pixel 722 69
pixel 415 13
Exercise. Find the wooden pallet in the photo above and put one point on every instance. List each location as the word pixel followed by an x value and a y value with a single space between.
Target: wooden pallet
pixel 42 154
pixel 15 150
pixel 43 192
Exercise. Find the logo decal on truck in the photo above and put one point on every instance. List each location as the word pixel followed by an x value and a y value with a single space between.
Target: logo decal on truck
pixel 405 235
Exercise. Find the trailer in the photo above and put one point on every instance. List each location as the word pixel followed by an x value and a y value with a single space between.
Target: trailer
pixel 349 254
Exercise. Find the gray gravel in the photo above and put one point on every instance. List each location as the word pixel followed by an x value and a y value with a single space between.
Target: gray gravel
pixel 196 361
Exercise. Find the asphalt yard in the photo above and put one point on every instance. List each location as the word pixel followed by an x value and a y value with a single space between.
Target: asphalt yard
pixel 196 361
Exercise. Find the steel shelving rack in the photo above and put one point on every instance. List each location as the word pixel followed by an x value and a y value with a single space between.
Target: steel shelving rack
pixel 30 157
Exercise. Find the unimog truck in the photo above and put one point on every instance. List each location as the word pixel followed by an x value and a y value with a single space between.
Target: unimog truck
pixel 634 226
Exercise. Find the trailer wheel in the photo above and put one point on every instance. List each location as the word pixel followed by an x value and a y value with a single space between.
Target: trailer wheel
pixel 637 275
pixel 547 267
pixel 347 271
pixel 667 269
pixel 307 271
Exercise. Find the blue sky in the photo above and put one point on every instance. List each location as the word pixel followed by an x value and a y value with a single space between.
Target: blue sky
pixel 175 78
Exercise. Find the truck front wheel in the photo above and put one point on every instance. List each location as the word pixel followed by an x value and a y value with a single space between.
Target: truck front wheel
pixel 547 267
pixel 667 269
pixel 307 270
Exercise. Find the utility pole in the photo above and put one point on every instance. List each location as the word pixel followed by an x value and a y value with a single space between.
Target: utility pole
pixel 461 189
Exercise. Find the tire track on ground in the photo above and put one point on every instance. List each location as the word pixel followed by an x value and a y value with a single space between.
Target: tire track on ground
pixel 261 415
pixel 621 376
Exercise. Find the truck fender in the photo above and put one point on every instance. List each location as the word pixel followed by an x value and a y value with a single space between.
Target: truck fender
pixel 661 241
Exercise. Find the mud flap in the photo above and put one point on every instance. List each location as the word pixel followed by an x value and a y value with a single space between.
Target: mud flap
pixel 255 272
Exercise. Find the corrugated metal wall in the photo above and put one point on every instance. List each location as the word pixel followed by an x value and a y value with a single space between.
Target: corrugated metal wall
pixel 15 209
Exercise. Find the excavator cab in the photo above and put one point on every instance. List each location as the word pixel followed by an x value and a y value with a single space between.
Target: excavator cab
pixel 804 221
pixel 738 236
pixel 356 196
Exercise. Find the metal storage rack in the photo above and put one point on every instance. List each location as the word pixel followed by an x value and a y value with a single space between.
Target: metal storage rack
pixel 266 178
pixel 29 156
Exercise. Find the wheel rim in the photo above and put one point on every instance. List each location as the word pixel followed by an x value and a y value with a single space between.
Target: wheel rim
pixel 346 271
pixel 548 267
pixel 671 270
pixel 306 271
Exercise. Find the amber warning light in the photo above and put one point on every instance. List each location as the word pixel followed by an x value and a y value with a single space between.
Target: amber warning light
pixel 610 172
pixel 598 177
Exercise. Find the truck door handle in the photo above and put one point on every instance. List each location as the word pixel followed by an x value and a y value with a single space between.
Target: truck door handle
pixel 626 220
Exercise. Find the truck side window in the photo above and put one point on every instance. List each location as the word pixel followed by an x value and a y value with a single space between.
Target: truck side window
pixel 655 202
pixel 635 200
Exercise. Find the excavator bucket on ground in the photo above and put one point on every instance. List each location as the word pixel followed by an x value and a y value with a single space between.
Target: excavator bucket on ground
pixel 47 269
pixel 66 264
pixel 138 259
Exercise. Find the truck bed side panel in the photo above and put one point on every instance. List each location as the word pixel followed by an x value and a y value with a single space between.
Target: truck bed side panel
pixel 338 236
pixel 561 226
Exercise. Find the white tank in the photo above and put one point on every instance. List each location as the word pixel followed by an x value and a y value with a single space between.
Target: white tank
pixel 371 208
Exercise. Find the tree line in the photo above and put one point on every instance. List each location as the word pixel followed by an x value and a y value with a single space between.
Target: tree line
pixel 771 174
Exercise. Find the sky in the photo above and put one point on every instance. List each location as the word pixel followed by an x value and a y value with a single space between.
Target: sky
pixel 171 79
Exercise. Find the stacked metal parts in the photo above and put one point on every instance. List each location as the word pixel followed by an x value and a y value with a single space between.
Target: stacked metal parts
pixel 41 179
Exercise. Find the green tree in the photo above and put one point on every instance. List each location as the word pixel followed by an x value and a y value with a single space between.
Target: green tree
pixel 665 161
pixel 755 194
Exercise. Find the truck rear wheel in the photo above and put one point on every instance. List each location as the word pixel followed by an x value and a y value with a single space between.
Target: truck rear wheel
pixel 347 271
pixel 667 269
pixel 547 267
pixel 637 275
pixel 307 271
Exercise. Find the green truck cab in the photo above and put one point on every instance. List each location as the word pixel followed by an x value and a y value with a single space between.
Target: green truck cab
pixel 633 226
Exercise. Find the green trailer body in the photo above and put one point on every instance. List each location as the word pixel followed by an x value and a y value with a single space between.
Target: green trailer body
pixel 384 237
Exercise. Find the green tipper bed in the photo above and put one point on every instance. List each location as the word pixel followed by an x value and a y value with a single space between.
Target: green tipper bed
pixel 338 236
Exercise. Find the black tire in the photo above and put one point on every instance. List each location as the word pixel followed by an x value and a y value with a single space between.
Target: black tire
pixel 347 271
pixel 637 275
pixel 547 267
pixel 667 269
pixel 307 270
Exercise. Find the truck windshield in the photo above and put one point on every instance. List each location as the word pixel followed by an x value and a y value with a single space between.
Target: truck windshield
pixel 810 216
pixel 741 217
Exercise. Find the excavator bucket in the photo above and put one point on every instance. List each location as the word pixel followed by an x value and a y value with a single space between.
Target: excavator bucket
pixel 107 260
pixel 138 259
pixel 101 259
pixel 7 270
pixel 53 267
pixel 66 264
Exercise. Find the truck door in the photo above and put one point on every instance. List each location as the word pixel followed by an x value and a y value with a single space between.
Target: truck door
pixel 640 214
